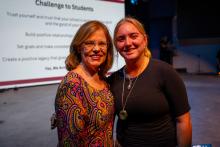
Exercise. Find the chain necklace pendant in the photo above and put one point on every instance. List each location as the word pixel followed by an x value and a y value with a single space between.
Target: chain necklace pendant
pixel 130 84
pixel 123 114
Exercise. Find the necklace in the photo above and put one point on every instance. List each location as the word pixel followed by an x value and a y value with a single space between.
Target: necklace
pixel 130 82
pixel 123 113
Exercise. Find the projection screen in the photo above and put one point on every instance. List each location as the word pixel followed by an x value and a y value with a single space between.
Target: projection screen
pixel 36 34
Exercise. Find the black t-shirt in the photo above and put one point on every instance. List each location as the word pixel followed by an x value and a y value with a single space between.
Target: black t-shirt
pixel 159 95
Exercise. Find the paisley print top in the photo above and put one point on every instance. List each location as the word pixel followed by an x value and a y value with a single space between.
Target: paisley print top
pixel 84 114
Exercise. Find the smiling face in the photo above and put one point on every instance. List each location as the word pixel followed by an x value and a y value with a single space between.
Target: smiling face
pixel 129 42
pixel 94 50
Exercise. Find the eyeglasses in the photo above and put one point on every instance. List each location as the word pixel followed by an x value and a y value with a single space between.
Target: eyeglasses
pixel 91 44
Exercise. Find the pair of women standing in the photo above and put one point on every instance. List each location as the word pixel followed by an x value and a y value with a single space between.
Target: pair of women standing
pixel 150 98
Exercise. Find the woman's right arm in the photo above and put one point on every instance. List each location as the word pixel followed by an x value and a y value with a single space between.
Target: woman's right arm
pixel 184 130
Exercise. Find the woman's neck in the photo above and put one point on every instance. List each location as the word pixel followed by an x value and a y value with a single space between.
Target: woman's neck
pixel 91 76
pixel 134 68
pixel 88 72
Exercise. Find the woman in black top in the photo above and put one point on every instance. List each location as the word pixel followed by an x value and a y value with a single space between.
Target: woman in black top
pixel 151 100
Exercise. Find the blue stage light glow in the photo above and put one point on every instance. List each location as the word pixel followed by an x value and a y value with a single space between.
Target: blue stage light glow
pixel 134 2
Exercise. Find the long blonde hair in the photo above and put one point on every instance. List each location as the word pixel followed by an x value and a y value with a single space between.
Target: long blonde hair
pixel 138 25
pixel 84 32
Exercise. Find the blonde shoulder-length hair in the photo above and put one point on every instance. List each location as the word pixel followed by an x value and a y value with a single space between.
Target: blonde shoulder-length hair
pixel 83 33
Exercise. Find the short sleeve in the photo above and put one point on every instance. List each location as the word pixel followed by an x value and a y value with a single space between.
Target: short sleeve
pixel 175 91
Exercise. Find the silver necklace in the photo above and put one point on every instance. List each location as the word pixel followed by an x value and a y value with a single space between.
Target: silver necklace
pixel 130 82
pixel 123 113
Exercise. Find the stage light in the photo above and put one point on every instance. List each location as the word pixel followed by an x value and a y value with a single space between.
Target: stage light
pixel 134 2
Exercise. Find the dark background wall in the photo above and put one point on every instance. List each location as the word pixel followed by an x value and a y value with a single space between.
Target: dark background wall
pixel 198 19
pixel 192 26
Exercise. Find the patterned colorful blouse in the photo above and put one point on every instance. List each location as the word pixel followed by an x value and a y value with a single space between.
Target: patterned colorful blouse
pixel 85 115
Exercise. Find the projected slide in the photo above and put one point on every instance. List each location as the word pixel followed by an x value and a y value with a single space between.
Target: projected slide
pixel 36 34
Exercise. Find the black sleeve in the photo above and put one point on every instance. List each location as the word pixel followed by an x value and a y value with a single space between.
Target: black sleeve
pixel 176 92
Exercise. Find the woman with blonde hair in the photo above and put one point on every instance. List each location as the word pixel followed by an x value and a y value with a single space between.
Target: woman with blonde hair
pixel 150 97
